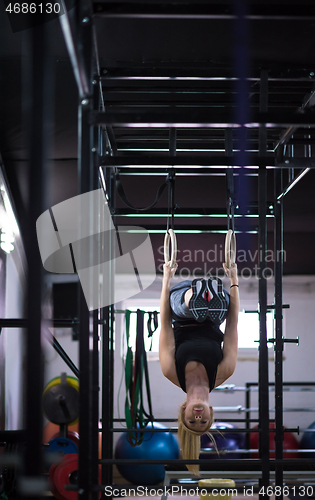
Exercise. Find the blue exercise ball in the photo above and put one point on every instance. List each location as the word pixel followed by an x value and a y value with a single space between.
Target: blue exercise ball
pixel 308 442
pixel 156 446
pixel 224 441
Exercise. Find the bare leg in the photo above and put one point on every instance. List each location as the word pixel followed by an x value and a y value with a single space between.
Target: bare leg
pixel 188 295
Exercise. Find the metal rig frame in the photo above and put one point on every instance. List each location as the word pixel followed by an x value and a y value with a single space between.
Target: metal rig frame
pixel 98 144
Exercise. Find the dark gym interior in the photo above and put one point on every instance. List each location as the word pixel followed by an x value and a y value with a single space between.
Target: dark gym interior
pixel 218 95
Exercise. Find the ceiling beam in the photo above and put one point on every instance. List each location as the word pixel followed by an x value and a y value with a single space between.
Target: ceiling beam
pixel 186 160
pixel 185 228
pixel 272 11
pixel 197 117
pixel 251 211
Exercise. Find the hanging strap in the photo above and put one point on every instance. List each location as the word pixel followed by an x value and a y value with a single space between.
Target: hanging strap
pixel 230 190
pixel 128 373
pixel 153 316
pixel 134 404
pixel 144 365
pixel 230 240
pixel 230 203
pixel 141 357
pixel 170 200
pixel 133 380
pixel 171 180
pixel 121 192
pixel 170 237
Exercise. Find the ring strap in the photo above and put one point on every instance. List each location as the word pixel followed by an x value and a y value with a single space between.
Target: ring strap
pixel 121 192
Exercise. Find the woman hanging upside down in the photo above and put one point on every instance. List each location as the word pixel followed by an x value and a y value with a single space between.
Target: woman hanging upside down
pixel 190 349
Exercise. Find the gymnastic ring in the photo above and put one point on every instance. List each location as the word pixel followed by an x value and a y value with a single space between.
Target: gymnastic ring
pixel 230 248
pixel 170 238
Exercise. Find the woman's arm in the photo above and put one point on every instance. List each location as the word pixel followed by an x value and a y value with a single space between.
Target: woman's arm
pixel 230 345
pixel 167 340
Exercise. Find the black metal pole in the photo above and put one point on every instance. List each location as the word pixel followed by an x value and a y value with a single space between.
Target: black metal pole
pixel 96 315
pixel 86 331
pixel 111 340
pixel 95 406
pixel 64 356
pixel 84 317
pixel 247 416
pixel 108 354
pixel 39 94
pixel 107 393
pixel 85 165
pixel 278 346
pixel 263 376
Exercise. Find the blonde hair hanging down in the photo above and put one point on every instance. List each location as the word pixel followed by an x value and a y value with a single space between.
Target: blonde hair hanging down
pixel 190 440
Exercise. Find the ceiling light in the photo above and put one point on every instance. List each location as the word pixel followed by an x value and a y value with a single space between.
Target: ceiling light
pixel 6 241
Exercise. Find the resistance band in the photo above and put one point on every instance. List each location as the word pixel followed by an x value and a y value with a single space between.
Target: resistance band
pixel 153 316
pixel 136 368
